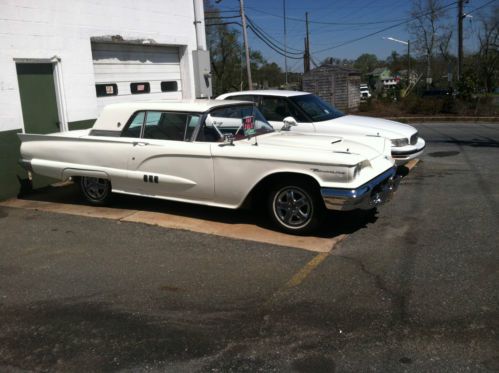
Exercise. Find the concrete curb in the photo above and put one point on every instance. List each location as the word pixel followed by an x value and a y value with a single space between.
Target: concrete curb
pixel 444 119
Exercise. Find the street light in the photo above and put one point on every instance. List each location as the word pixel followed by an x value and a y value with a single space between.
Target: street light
pixel 408 43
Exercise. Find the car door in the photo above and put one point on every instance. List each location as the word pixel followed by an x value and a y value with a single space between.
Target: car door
pixel 165 162
pixel 275 109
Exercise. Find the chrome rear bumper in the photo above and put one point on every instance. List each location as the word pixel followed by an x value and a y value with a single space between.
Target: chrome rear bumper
pixel 373 193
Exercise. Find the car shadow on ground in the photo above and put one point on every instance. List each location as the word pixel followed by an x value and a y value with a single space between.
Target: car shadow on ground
pixel 334 223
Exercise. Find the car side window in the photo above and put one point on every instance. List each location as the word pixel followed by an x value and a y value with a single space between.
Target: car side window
pixel 274 108
pixel 234 112
pixel 135 126
pixel 169 126
pixel 278 108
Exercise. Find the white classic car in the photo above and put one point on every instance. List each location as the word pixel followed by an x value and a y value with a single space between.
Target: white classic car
pixel 217 153
pixel 310 114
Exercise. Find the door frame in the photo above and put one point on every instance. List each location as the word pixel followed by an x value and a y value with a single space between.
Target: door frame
pixel 58 86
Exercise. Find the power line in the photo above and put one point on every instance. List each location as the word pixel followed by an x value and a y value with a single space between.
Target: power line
pixel 270 45
pixel 220 11
pixel 384 29
pixel 328 23
pixel 223 24
pixel 269 39
pixel 223 17
pixel 480 7
pixel 269 36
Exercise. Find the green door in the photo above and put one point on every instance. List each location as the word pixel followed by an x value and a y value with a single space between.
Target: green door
pixel 38 100
pixel 39 104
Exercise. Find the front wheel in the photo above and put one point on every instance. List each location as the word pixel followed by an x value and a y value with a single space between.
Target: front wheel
pixel 96 190
pixel 294 207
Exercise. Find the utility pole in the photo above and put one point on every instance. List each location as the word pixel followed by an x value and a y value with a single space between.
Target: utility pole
pixel 285 44
pixel 460 17
pixel 246 47
pixel 306 55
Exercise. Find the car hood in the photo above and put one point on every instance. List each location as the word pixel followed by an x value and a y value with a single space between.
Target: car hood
pixel 364 146
pixel 368 126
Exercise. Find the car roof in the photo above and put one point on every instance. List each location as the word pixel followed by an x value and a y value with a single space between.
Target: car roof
pixel 264 92
pixel 197 106
pixel 114 116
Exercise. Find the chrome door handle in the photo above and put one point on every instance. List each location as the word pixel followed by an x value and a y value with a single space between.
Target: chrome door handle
pixel 139 143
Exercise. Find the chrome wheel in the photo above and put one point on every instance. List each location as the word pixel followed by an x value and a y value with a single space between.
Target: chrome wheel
pixel 293 207
pixel 96 190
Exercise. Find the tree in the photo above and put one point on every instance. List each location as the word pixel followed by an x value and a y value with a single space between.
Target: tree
pixel 225 52
pixel 426 29
pixel 394 61
pixel 227 55
pixel 487 58
pixel 366 63
pixel 269 75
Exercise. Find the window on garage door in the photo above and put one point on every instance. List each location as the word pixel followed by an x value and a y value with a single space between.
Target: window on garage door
pixel 169 86
pixel 137 88
pixel 109 89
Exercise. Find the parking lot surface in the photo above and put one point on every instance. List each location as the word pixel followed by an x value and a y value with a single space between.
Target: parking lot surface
pixel 412 287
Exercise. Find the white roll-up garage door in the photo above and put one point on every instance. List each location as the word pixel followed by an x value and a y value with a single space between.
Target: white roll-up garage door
pixel 129 72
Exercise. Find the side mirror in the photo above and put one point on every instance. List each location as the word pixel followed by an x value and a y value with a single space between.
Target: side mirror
pixel 288 123
pixel 229 139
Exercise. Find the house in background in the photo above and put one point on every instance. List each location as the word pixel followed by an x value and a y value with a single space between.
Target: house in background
pixel 338 85
pixel 62 61
pixel 381 78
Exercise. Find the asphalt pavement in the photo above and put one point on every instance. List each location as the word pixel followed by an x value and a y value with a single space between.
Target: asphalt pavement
pixel 413 287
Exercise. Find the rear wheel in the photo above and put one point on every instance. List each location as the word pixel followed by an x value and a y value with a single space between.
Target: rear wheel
pixel 96 190
pixel 295 207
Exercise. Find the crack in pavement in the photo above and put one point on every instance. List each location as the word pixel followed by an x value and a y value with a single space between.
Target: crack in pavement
pixel 398 300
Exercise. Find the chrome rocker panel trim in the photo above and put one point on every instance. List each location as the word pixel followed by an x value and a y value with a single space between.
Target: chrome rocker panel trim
pixel 370 195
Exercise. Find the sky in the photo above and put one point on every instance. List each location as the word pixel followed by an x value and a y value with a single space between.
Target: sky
pixel 354 19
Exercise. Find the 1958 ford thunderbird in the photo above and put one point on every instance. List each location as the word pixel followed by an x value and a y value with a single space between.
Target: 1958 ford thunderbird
pixel 217 153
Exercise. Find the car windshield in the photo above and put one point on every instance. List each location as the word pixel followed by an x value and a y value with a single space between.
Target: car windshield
pixel 315 108
pixel 240 121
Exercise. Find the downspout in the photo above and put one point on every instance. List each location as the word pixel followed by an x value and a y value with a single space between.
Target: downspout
pixel 60 94
pixel 203 80
pixel 199 24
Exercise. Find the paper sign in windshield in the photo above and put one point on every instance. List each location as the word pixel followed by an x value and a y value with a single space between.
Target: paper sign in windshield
pixel 249 125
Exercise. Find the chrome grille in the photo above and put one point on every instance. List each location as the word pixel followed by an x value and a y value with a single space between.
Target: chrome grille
pixel 414 139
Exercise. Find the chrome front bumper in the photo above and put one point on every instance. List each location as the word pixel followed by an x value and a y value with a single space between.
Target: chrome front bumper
pixel 373 193
pixel 405 154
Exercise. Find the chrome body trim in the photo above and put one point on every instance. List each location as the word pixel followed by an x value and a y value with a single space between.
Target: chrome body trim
pixel 402 155
pixel 373 193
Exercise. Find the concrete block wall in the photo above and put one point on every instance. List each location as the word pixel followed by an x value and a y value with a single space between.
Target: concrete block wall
pixel 41 29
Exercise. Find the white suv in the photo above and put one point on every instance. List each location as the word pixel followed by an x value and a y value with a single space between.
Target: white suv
pixel 364 92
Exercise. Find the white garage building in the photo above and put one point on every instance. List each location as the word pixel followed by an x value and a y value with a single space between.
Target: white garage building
pixel 62 61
